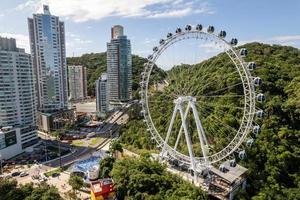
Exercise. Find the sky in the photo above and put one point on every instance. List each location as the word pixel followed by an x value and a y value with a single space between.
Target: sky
pixel 88 22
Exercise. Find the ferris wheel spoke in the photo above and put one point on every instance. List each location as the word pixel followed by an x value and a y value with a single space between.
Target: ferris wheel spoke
pixel 219 96
pixel 210 104
pixel 221 121
pixel 222 113
pixel 214 82
pixel 222 89
pixel 206 74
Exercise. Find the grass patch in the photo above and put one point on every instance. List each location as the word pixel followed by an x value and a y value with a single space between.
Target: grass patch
pixel 57 170
pixel 94 141
pixel 78 143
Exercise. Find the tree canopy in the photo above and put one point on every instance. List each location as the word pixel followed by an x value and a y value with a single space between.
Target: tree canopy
pixel 273 161
pixel 10 190
pixel 146 179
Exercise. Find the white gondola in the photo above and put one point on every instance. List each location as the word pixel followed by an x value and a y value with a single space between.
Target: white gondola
pixel 161 41
pixel 222 168
pixel 155 49
pixel 256 129
pixel 257 81
pixel 169 35
pixel 250 142
pixel 234 41
pixel 199 27
pixel 243 52
pixel 222 34
pixel 150 57
pixel 232 163
pixel 210 29
pixel 242 154
pixel 251 66
pixel 188 27
pixel 260 97
pixel 260 113
pixel 178 30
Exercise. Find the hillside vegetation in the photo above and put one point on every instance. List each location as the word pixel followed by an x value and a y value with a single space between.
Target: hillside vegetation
pixel 96 65
pixel 274 160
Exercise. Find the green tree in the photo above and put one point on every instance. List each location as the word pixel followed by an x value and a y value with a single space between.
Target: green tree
pixel 106 165
pixel 76 182
pixel 115 148
pixel 146 179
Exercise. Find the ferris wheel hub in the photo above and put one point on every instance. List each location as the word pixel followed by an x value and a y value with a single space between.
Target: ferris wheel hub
pixel 182 99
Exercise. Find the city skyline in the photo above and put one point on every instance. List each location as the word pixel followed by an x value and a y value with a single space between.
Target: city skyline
pixel 87 26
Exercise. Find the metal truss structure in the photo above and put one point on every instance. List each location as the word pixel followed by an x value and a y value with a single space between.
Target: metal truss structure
pixel 200 164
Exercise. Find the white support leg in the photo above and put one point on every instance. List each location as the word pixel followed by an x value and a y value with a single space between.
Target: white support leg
pixel 180 131
pixel 169 131
pixel 201 134
pixel 189 142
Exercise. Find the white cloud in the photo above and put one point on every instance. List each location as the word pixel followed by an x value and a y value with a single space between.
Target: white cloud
pixel 289 40
pixel 22 40
pixel 78 11
pixel 171 13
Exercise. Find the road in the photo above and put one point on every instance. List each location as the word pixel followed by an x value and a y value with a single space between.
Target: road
pixel 107 131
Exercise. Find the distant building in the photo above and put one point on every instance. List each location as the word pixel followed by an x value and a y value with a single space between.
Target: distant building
pixel 101 95
pixel 77 82
pixel 17 100
pixel 48 122
pixel 47 43
pixel 119 68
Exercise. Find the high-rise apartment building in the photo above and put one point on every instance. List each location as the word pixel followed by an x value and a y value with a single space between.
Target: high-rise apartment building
pixel 47 43
pixel 17 100
pixel 77 82
pixel 119 67
pixel 101 95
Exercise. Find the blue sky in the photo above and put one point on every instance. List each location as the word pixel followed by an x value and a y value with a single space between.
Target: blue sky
pixel 88 22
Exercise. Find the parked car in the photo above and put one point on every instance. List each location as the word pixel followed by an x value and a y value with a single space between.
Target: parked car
pixel 55 175
pixel 15 174
pixel 23 174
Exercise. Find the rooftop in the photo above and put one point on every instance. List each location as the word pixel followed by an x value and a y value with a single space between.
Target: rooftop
pixel 232 174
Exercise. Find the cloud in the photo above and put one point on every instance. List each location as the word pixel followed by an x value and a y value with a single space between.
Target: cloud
pixel 288 40
pixel 78 11
pixel 22 40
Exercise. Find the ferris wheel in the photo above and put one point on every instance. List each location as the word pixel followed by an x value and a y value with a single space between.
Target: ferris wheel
pixel 193 120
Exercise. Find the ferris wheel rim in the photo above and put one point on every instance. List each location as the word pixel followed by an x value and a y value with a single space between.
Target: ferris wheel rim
pixel 247 118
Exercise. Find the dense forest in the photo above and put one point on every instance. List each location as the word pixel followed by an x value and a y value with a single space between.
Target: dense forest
pixel 273 161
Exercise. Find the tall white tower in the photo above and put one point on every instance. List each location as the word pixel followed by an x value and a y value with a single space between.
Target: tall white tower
pixel 47 43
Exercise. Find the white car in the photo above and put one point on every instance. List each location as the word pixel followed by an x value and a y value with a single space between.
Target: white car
pixel 23 174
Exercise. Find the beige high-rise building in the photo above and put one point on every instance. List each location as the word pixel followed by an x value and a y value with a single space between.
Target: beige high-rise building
pixel 17 100
pixel 77 82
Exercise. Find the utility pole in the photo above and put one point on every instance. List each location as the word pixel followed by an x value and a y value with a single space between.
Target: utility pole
pixel 59 151
pixel 1 163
